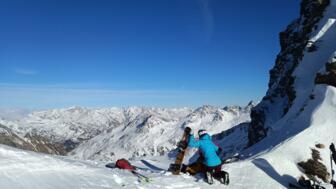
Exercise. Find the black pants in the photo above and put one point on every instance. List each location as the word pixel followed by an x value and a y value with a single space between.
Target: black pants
pixel 216 171
pixel 217 168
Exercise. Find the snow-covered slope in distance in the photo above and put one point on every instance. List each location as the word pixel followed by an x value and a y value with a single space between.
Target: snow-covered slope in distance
pixel 155 135
pixel 111 133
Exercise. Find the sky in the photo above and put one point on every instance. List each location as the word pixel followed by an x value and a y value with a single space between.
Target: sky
pixel 162 53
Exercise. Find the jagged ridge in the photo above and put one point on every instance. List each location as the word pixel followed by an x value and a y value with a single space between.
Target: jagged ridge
pixel 281 93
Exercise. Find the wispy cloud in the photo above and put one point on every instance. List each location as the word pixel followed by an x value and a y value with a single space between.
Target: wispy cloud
pixel 208 18
pixel 23 71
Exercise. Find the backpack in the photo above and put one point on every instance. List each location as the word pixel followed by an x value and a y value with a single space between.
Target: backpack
pixel 124 164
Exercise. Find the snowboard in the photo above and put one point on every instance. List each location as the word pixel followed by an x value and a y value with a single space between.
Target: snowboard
pixel 175 168
pixel 231 159
pixel 111 165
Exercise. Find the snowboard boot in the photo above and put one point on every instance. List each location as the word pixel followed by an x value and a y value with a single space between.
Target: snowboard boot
pixel 227 179
pixel 184 168
pixel 209 178
pixel 223 177
pixel 222 180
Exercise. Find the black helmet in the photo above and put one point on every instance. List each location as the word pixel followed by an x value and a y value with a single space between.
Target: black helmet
pixel 201 133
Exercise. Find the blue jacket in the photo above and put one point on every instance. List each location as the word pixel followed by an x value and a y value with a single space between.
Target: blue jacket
pixel 207 148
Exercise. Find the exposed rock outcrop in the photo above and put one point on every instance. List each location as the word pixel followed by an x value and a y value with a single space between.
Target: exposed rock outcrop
pixel 314 167
pixel 329 77
pixel 44 145
pixel 8 137
pixel 281 93
pixel 30 142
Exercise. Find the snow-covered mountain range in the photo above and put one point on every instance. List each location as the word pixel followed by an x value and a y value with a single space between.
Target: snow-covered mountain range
pixel 293 123
pixel 107 134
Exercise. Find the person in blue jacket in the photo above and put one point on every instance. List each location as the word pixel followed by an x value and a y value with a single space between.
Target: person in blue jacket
pixel 209 151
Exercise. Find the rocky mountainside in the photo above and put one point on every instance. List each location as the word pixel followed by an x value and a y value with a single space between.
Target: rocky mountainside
pixel 115 132
pixel 306 45
pixel 30 142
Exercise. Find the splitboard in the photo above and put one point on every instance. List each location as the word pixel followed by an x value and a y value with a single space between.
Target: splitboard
pixel 151 166
pixel 175 168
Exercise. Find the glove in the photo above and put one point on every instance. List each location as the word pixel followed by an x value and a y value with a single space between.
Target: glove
pixel 187 129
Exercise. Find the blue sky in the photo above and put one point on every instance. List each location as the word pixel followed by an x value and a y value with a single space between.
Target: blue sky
pixel 166 53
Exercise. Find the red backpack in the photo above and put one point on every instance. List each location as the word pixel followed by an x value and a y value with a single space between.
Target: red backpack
pixel 124 164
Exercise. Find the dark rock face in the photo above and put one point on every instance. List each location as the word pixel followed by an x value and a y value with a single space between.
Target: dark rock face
pixel 281 93
pixel 7 137
pixel 330 77
pixel 70 144
pixel 30 142
pixel 44 145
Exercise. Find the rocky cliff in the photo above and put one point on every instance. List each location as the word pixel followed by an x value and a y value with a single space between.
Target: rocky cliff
pixel 296 41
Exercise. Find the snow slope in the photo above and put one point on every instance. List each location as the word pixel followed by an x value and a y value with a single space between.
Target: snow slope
pixel 29 170
pixel 22 169
pixel 276 156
